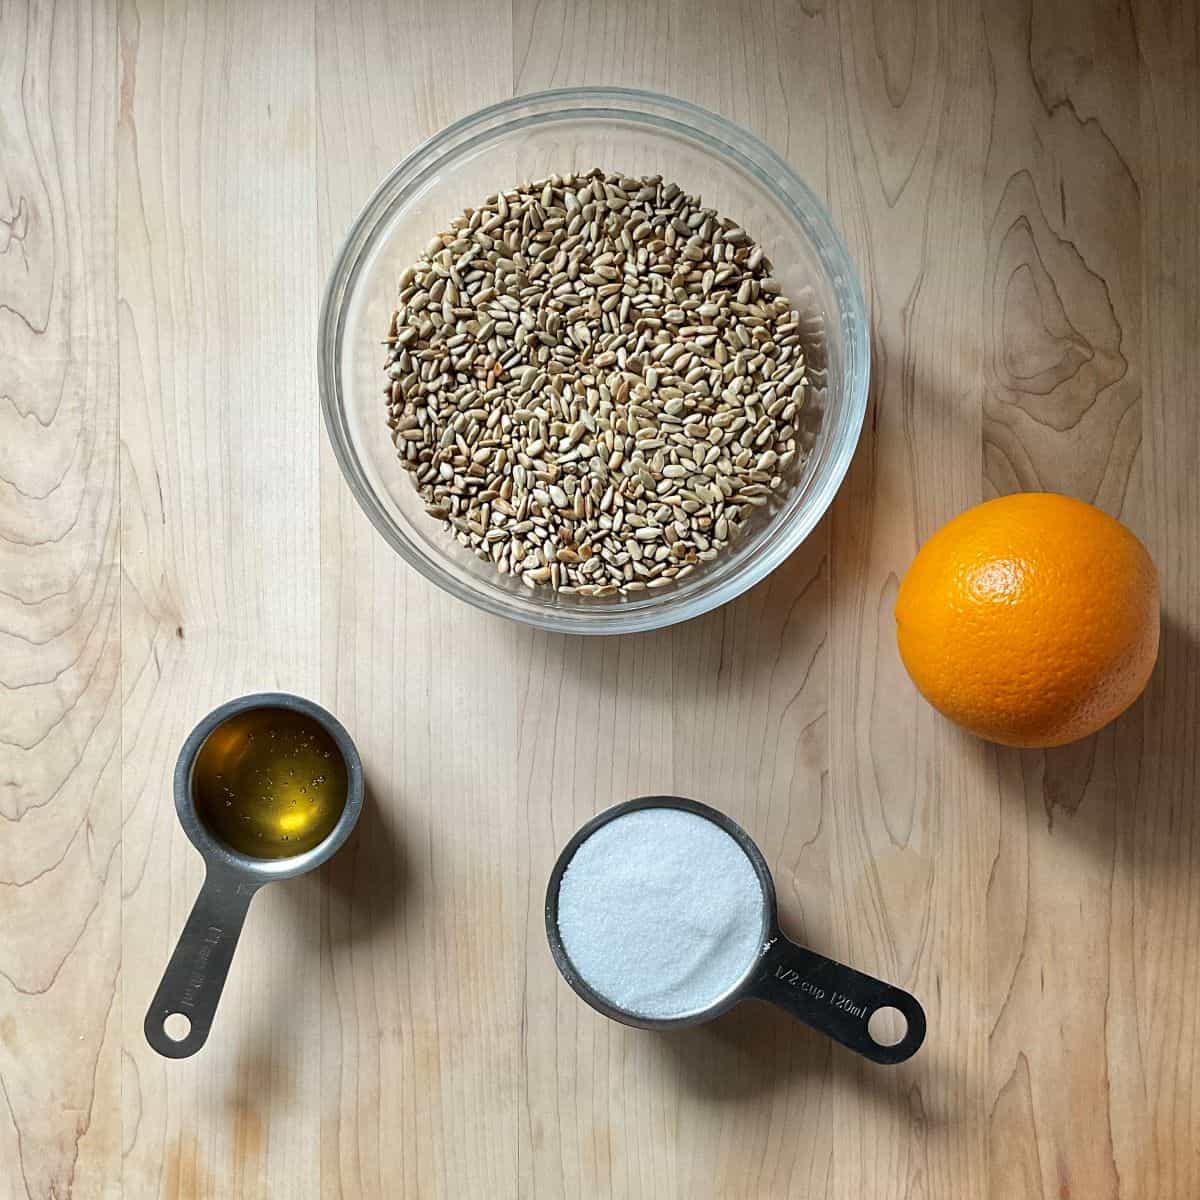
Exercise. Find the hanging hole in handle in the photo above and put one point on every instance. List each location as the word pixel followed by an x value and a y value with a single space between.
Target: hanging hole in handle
pixel 177 1026
pixel 887 1026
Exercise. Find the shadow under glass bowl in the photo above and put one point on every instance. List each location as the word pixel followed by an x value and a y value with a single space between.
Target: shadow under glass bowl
pixel 558 132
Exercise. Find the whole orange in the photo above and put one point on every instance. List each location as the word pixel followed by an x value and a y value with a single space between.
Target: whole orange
pixel 1032 620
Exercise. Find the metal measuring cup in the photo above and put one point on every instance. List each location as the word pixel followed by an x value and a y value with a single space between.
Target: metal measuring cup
pixel 192 983
pixel 831 997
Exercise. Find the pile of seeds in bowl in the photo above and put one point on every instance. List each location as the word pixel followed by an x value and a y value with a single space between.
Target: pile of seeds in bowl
pixel 595 382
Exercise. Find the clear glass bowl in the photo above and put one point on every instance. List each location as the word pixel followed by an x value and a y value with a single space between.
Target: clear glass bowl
pixel 636 133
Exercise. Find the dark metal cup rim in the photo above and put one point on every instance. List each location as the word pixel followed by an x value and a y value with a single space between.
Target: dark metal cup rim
pixel 768 932
pixel 216 852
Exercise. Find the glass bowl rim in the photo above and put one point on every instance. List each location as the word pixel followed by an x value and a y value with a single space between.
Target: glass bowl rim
pixel 716 135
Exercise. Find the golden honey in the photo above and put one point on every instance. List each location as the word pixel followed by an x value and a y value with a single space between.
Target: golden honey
pixel 269 783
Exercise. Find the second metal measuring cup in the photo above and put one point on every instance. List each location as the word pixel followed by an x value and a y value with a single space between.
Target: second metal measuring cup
pixel 831 997
pixel 192 983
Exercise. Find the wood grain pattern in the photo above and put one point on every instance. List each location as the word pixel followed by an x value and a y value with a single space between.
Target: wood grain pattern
pixel 1017 183
pixel 60 768
pixel 421 983
pixel 221 545
pixel 1062 412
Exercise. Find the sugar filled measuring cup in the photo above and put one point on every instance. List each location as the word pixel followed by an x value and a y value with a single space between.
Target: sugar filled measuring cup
pixel 827 995
pixel 195 976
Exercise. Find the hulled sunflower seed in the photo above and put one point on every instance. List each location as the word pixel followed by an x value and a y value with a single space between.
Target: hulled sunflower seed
pixel 595 382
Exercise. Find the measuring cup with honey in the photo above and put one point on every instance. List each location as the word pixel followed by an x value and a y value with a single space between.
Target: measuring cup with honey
pixel 266 787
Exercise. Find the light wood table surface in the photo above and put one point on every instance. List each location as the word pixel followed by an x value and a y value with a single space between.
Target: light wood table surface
pixel 1020 186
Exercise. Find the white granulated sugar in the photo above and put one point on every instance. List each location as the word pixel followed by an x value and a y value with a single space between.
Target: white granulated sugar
pixel 660 912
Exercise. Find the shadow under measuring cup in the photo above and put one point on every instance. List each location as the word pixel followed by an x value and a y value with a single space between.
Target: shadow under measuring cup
pixel 267 787
pixel 661 913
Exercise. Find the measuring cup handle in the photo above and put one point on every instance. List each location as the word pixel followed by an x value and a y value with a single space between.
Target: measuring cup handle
pixel 192 983
pixel 836 999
